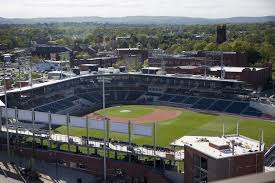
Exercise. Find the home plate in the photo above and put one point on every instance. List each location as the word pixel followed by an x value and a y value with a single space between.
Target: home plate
pixel 124 111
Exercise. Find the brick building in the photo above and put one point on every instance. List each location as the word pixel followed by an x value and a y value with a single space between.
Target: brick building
pixel 198 58
pixel 255 77
pixel 129 54
pixel 208 159
pixel 100 61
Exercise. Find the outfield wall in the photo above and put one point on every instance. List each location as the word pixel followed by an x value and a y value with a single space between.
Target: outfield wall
pixel 58 119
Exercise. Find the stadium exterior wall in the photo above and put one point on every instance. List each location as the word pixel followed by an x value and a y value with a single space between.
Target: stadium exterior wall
pixel 93 164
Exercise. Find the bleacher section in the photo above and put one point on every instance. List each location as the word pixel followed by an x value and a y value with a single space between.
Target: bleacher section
pixel 191 100
pixel 91 97
pixel 134 95
pixel 237 107
pixel 252 112
pixel 204 103
pixel 57 106
pixel 210 104
pixel 178 99
pixel 220 105
pixel 269 157
pixel 165 98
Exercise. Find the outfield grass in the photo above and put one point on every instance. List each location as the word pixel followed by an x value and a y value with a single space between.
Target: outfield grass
pixel 191 123
pixel 133 111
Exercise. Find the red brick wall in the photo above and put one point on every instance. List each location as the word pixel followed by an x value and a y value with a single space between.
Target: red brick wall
pixel 95 164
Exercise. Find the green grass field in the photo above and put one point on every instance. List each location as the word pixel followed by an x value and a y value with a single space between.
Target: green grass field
pixel 134 111
pixel 188 123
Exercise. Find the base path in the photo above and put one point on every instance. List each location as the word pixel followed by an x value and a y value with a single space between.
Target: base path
pixel 157 115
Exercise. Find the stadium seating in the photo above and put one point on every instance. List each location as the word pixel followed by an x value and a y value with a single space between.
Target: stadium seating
pixel 121 95
pixel 89 97
pixel 269 157
pixel 191 100
pixel 134 95
pixel 153 94
pixel 165 98
pixel 203 103
pixel 58 105
pixel 237 107
pixel 220 105
pixel 252 112
pixel 178 99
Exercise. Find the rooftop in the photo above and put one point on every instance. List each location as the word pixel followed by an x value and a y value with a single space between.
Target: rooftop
pixel 152 68
pixel 234 69
pixel 220 147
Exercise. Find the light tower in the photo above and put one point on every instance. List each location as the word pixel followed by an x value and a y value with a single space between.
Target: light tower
pixel 7 59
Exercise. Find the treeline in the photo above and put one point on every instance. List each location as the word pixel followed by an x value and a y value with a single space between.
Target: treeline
pixel 258 40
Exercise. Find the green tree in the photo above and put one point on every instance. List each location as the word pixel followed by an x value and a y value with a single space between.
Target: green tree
pixel 199 45
pixel 135 65
pixel 146 63
pixel 119 63
pixel 36 59
pixel 211 47
pixel 226 46
pixel 267 51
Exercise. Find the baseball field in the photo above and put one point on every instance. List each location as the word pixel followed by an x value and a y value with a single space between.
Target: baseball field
pixel 173 123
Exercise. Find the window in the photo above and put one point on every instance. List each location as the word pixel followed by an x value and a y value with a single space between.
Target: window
pixel 200 169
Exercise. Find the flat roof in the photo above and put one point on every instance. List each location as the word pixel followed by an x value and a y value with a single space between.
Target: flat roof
pixel 187 67
pixel 124 49
pixel 234 69
pixel 88 65
pixel 51 82
pixel 152 68
pixel 100 58
pixel 57 62
pixel 243 145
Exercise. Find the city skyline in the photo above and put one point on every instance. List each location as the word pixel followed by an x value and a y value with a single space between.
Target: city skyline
pixel 121 8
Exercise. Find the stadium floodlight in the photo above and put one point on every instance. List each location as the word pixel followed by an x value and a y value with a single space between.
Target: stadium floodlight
pixel 104 79
pixel 7 59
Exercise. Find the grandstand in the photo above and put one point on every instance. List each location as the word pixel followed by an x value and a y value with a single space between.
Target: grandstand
pixel 81 95
pixel 270 157
pixel 84 93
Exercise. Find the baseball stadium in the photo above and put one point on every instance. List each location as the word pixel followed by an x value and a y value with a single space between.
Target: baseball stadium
pixel 132 119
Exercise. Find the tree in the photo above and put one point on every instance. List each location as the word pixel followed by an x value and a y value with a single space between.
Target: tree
pixel 199 45
pixel 241 46
pixel 266 51
pixel 211 47
pixel 36 59
pixel 119 63
pixel 146 63
pixel 135 65
pixel 82 55
pixel 226 46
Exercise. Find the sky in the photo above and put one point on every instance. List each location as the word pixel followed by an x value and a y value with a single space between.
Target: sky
pixel 120 8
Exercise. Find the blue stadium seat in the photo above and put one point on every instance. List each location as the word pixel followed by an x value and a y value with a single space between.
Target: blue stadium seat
pixel 252 112
pixel 165 97
pixel 220 105
pixel 237 107
pixel 134 95
pixel 191 100
pixel 204 103
pixel 178 99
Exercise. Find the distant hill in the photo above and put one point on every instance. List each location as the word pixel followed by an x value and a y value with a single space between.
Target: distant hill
pixel 139 20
